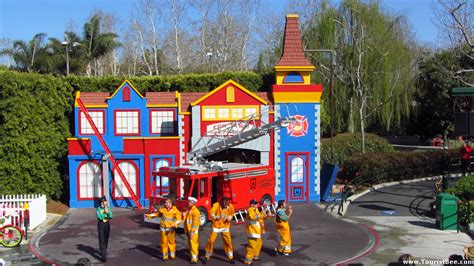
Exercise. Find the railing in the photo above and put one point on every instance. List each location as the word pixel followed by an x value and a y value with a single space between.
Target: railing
pixel 17 208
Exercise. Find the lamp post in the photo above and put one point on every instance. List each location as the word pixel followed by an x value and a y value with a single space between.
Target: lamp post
pixel 66 44
pixel 331 91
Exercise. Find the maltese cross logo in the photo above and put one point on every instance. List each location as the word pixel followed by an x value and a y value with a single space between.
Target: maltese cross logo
pixel 298 128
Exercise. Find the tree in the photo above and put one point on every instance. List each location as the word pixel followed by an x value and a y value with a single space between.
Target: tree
pixel 372 65
pixel 29 56
pixel 96 44
pixel 456 20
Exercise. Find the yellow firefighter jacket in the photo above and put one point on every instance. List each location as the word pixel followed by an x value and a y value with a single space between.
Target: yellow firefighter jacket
pixel 254 228
pixel 191 220
pixel 169 218
pixel 221 217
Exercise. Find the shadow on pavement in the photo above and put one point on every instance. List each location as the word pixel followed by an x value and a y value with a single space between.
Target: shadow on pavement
pixel 375 207
pixel 422 224
pixel 89 250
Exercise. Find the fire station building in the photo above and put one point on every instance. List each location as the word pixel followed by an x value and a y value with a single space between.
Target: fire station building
pixel 145 132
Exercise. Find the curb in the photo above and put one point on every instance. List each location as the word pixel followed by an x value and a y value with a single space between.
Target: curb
pixel 370 248
pixel 345 205
pixel 33 244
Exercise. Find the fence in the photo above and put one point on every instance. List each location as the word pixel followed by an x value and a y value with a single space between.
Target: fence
pixel 12 207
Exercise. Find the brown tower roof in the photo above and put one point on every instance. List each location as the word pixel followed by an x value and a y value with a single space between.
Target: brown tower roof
pixel 293 54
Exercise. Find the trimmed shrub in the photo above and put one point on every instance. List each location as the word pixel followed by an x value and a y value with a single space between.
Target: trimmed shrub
pixel 394 166
pixel 347 145
pixel 464 190
pixel 34 112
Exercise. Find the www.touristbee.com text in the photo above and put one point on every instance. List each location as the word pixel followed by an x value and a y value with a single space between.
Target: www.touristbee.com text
pixel 438 262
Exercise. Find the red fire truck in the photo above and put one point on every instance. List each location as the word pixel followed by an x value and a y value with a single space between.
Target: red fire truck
pixel 208 184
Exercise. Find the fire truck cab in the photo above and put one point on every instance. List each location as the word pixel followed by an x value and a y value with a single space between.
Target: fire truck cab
pixel 208 184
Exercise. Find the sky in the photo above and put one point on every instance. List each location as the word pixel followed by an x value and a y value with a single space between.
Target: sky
pixel 22 19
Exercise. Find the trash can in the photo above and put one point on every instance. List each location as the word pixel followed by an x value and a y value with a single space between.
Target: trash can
pixel 446 211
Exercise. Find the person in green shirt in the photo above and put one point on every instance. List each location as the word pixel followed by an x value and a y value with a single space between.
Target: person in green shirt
pixel 104 214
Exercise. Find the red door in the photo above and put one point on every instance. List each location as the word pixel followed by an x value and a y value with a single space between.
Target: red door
pixel 297 176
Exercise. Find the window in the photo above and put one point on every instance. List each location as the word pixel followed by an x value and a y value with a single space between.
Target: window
pixel 297 170
pixel 293 77
pixel 250 111
pixel 126 94
pixel 158 164
pixel 223 113
pixel 127 123
pixel 162 122
pixel 230 94
pixel 209 113
pixel 90 180
pixel 237 113
pixel 97 118
pixel 130 172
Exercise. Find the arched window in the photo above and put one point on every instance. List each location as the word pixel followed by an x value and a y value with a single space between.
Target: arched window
pixel 126 94
pixel 293 77
pixel 130 172
pixel 230 94
pixel 90 181
pixel 161 163
pixel 297 170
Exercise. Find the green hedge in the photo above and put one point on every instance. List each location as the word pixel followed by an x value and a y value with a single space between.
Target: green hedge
pixel 347 145
pixel 182 83
pixel 464 190
pixel 34 111
pixel 394 166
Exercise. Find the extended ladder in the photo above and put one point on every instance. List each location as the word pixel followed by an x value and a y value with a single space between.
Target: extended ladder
pixel 108 152
pixel 239 137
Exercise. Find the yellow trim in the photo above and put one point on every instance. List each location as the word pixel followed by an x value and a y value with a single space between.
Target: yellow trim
pixel 230 94
pixel 230 108
pixel 78 139
pixel 123 83
pixel 185 113
pixel 153 138
pixel 292 16
pixel 294 68
pixel 96 105
pixel 272 112
pixel 306 75
pixel 297 97
pixel 162 105
pixel 225 84
pixel 78 95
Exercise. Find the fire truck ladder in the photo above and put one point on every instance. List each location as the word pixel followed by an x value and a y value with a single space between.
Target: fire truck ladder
pixel 250 128
pixel 108 152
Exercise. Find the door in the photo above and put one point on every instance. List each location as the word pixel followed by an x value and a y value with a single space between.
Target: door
pixel 297 176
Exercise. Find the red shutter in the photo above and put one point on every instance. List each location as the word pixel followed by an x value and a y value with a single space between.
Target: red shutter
pixel 126 94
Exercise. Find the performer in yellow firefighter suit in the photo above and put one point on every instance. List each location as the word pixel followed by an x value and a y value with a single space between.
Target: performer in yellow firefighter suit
pixel 254 229
pixel 221 215
pixel 191 228
pixel 170 218
pixel 283 215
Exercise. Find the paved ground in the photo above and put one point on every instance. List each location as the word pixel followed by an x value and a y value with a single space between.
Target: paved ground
pixel 401 214
pixel 317 238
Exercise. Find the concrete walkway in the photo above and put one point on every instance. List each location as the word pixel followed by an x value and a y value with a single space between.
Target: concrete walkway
pixel 318 238
pixel 402 215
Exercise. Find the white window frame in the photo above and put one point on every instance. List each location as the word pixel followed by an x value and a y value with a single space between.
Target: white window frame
pixel 98 117
pixel 90 181
pixel 297 170
pixel 127 122
pixel 158 117
pixel 128 168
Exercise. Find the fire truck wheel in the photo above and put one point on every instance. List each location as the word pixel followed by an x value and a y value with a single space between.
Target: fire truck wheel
pixel 203 218
pixel 266 200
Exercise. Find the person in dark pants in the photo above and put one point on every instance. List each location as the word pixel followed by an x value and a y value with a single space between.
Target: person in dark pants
pixel 104 214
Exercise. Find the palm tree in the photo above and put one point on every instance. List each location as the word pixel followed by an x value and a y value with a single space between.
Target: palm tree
pixel 29 56
pixel 95 43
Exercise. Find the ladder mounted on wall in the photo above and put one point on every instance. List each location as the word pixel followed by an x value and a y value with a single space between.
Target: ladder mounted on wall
pixel 109 153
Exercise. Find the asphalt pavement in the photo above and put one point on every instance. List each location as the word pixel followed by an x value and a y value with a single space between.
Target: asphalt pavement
pixel 403 217
pixel 318 238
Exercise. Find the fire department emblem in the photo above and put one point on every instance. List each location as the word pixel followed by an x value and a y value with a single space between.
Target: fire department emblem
pixel 298 128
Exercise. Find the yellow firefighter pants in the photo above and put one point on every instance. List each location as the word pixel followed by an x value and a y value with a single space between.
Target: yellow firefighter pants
pixel 168 243
pixel 284 246
pixel 193 243
pixel 227 241
pixel 253 249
